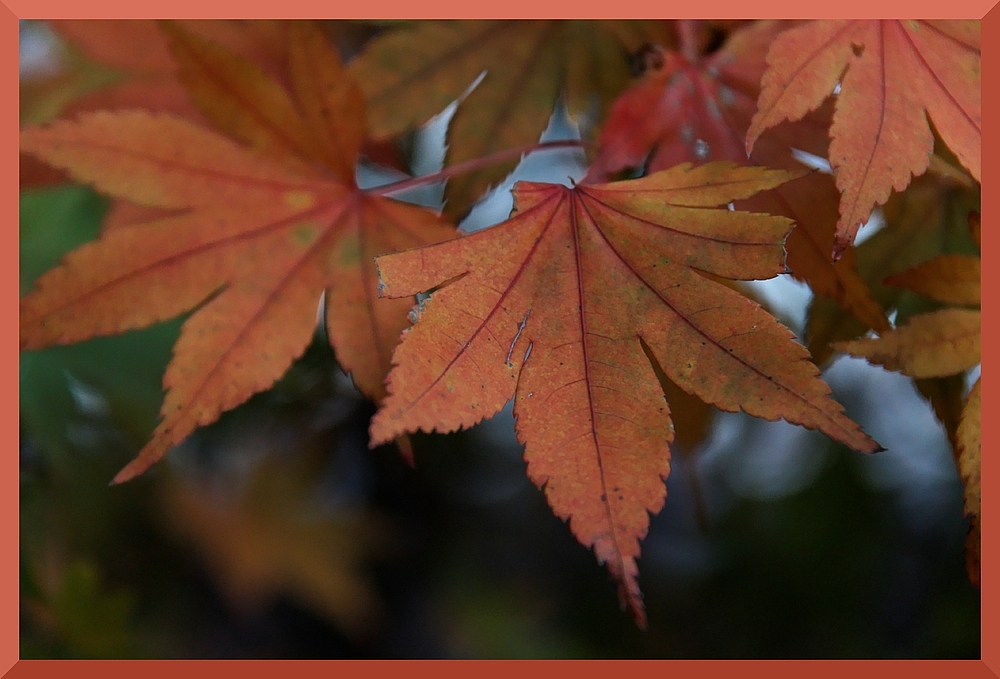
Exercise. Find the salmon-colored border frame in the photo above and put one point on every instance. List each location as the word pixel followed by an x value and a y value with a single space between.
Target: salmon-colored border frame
pixel 13 10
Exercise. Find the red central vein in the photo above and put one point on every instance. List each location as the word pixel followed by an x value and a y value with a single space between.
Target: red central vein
pixel 802 66
pixel 882 97
pixel 521 269
pixel 252 321
pixel 192 252
pixel 317 185
pixel 695 326
pixel 276 129
pixel 574 226
pixel 920 55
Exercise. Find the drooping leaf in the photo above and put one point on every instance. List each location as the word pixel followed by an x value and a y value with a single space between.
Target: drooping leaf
pixel 969 444
pixel 558 309
pixel 930 345
pixel 890 73
pixel 922 222
pixel 685 110
pixel 939 343
pixel 415 72
pixel 250 243
pixel 953 279
pixel 937 348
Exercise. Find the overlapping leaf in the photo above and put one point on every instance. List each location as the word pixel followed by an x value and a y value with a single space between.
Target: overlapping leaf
pixel 920 223
pixel 413 73
pixel 128 64
pixel 567 307
pixel 890 73
pixel 938 344
pixel 698 110
pixel 250 242
pixel 147 71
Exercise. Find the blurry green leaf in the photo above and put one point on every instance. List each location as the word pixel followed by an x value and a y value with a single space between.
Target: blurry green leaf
pixel 120 373
pixel 79 618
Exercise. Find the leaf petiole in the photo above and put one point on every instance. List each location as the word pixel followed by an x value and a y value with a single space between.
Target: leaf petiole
pixel 472 165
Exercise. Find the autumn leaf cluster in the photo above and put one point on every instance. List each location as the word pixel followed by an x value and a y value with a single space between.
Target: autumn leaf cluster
pixel 609 311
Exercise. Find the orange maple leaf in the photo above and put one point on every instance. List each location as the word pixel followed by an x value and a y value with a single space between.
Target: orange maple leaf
pixel 697 109
pixel 567 305
pixel 890 72
pixel 149 61
pixel 250 242
pixel 138 51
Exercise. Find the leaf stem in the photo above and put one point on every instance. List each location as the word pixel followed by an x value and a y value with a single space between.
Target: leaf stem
pixel 688 34
pixel 472 165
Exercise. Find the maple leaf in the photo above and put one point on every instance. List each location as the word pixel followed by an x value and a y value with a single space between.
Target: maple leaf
pixel 937 344
pixel 890 72
pixel 415 72
pixel 129 64
pixel 918 223
pixel 146 70
pixel 567 307
pixel 251 243
pixel 696 109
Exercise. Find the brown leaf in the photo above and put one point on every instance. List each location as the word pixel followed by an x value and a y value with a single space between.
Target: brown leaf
pixel 953 279
pixel 930 345
pixel 415 72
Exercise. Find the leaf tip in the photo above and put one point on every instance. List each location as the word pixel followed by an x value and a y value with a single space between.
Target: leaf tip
pixel 631 601
pixel 840 247
pixel 752 134
pixel 406 450
pixel 126 474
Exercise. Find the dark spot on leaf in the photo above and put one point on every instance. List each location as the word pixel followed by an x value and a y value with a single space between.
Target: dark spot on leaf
pixel 857 49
